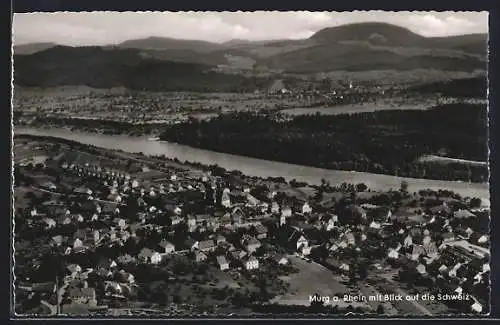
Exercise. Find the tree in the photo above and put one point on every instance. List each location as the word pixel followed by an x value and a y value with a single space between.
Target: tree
pixel 404 188
pixel 361 187
pixel 380 309
pixel 475 203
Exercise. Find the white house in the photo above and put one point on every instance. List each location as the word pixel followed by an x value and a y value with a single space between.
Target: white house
pixel 306 208
pixel 483 239
pixel 226 200
pixel 330 224
pixel 223 264
pixel 393 254
pixel 252 263
pixel 427 240
pixel 275 208
pixel 477 307
pixel 421 269
pixel 344 267
pixel 453 271
pixel 49 223
pixel 167 246
pixel 286 212
pixel 408 241
pixel 77 243
pixel 135 183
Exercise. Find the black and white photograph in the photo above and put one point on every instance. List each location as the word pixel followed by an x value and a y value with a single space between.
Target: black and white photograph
pixel 264 164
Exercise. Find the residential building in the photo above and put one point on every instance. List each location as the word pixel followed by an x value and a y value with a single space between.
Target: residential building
pixel 206 246
pixel 167 246
pixel 251 263
pixel 223 263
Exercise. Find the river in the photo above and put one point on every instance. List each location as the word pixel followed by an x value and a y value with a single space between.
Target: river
pixel 259 167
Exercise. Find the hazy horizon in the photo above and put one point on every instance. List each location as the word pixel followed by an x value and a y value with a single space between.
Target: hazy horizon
pixel 109 28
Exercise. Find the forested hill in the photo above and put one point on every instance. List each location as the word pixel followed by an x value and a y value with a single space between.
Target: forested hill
pixel 386 142
pixel 106 68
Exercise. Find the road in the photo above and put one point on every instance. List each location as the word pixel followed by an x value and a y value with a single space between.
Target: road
pixel 53 308
pixel 59 194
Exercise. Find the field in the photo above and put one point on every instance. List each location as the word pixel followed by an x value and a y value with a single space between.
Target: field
pixel 350 109
pixel 301 287
pixel 448 160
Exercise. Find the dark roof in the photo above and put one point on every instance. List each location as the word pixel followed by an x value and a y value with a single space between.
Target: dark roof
pixel 206 244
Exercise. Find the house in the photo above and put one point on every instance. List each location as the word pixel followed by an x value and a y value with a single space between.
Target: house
pixel 448 236
pixel 421 269
pixel 463 214
pixel 120 222
pixel 408 241
pixel 286 211
pixel 238 216
pixel 76 217
pixel 292 238
pixel 393 254
pixel 82 191
pixel 330 224
pixel 49 186
pixel 191 244
pixel 220 239
pixel 282 260
pixel 125 259
pixel 261 231
pixel 223 264
pixel 115 198
pixel 251 244
pixel 476 307
pixel 57 240
pixel 112 288
pixel 200 256
pixel 443 269
pixel 77 243
pixel 123 276
pixel 203 218
pixel 350 238
pixel 482 240
pixel 237 257
pixel 64 219
pixel 166 246
pixel 417 251
pixel 74 269
pixel 49 223
pixel 375 225
pixel 306 208
pixel 147 255
pixel 83 296
pixel 191 223
pixel 275 208
pixel 107 264
pixel 206 246
pixel 344 267
pixel 251 263
pixel 226 199
pixel 464 233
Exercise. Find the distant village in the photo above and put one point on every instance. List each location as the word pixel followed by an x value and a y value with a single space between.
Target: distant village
pixel 92 230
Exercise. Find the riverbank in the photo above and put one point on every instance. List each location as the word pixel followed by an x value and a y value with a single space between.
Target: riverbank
pixel 259 167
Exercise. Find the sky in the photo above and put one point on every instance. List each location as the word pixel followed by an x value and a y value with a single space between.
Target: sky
pixel 104 28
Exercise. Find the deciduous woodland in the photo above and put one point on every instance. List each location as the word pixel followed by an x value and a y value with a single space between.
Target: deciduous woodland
pixel 388 142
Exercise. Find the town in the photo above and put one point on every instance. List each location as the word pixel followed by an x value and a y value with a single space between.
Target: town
pixel 106 232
